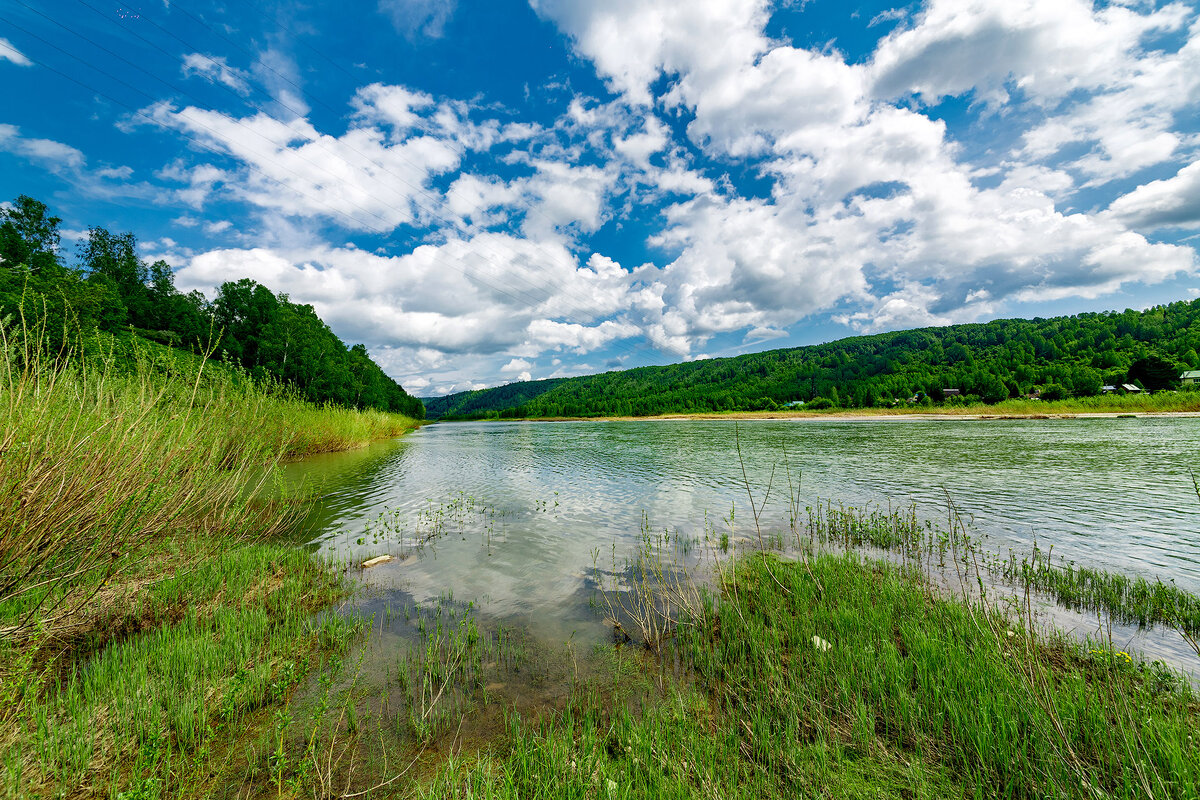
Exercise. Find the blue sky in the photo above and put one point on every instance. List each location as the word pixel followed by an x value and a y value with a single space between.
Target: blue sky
pixel 484 192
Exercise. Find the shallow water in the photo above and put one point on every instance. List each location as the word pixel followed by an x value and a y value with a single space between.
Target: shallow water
pixel 521 512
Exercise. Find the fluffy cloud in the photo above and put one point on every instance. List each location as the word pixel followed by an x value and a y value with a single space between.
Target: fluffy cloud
pixel 517 365
pixel 1046 50
pixel 1174 202
pixel 71 164
pixel 1087 70
pixel 55 155
pixel 486 295
pixel 360 179
pixel 872 203
pixel 631 41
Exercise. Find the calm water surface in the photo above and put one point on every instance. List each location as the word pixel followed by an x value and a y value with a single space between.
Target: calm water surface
pixel 525 510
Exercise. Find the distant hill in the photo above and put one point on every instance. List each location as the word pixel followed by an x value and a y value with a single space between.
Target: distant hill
pixel 477 404
pixel 112 290
pixel 1073 356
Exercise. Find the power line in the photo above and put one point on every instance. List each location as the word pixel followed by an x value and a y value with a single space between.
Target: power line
pixel 381 231
pixel 459 226
pixel 533 302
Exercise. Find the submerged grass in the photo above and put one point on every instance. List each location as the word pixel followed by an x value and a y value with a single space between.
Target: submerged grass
pixel 1127 599
pixel 1124 599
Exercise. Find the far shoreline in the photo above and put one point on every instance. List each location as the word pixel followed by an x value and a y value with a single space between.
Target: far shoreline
pixel 851 415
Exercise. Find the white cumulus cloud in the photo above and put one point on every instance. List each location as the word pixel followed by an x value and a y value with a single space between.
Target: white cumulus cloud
pixel 1174 202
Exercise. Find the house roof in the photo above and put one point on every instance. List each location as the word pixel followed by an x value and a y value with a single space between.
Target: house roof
pixel 1191 373
pixel 1129 387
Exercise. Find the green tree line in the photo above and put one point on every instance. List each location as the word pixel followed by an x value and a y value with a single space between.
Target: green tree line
pixel 111 289
pixel 1060 357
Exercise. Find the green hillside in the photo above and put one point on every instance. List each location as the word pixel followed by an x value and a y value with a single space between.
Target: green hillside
pixel 1060 357
pixel 111 290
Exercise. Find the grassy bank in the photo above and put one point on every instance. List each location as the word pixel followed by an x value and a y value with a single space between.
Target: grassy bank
pixel 837 677
pixel 152 646
pixel 142 618
pixel 1159 403
pixel 165 683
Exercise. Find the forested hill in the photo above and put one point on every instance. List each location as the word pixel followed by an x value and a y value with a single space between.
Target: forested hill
pixel 111 289
pixel 1058 357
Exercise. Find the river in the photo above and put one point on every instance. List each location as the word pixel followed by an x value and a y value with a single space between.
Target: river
pixel 522 512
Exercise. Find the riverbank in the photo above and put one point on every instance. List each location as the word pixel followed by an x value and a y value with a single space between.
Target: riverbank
pixel 872 414
pixel 1163 404
pixel 838 677
pixel 211 664
pixel 146 623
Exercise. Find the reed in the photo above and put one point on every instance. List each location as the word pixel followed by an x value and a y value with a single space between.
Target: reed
pixel 98 463
pixel 1127 599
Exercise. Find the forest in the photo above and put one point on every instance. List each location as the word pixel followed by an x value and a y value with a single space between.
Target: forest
pixel 111 290
pixel 1054 358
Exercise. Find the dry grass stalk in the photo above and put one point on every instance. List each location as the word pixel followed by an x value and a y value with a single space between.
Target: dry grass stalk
pixel 96 464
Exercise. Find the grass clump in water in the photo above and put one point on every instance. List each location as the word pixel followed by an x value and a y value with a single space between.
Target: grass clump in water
pixel 1127 599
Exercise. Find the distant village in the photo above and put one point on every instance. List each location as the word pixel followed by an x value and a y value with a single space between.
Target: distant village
pixel 1188 378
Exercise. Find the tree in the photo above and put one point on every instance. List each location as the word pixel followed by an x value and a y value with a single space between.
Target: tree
pixel 1054 391
pixel 1154 373
pixel 114 291
pixel 28 235
pixel 991 389
pixel 112 259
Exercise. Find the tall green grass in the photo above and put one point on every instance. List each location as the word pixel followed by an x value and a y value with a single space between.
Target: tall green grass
pixel 1157 402
pixel 949 684
pixel 98 462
